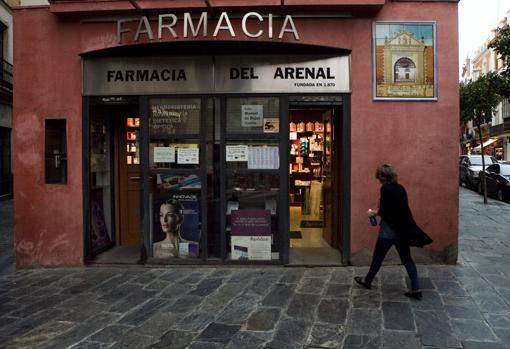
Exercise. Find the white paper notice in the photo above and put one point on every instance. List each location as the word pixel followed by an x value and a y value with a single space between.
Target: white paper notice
pixel 260 248
pixel 263 158
pixel 252 115
pixel 187 156
pixel 237 153
pixel 164 154
pixel 251 247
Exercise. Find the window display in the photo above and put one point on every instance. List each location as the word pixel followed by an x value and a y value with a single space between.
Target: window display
pixel 253 155
pixel 174 128
pixel 253 115
pixel 133 141
pixel 252 183
pixel 174 155
pixel 174 116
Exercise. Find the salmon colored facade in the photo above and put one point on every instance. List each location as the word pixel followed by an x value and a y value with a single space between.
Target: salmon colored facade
pixel 419 138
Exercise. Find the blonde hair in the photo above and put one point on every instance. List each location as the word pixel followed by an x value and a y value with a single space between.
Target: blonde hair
pixel 386 174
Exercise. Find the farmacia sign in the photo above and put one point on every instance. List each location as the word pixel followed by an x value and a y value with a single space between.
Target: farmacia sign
pixel 253 25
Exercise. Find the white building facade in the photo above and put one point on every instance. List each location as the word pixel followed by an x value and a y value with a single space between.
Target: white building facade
pixel 486 60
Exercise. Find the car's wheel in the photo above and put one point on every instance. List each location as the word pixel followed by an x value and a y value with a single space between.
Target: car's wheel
pixel 467 182
pixel 500 194
pixel 479 188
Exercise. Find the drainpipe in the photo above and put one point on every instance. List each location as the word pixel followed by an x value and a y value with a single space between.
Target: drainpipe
pixel 210 8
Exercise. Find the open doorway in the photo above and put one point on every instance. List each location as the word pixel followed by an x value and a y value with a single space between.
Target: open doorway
pixel 314 219
pixel 114 184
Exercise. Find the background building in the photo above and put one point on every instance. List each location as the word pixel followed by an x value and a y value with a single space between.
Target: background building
pixel 497 134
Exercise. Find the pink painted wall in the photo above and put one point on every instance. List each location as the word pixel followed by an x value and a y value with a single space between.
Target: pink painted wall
pixel 48 218
pixel 418 138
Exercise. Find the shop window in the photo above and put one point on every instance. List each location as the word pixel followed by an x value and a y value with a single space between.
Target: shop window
pixel 55 149
pixel 176 197
pixel 252 167
pixel 253 115
pixel 170 117
pixel 174 133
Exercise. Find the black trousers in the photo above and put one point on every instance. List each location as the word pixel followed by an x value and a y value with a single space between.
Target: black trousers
pixel 381 249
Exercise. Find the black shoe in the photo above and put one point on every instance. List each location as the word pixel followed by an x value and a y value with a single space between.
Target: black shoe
pixel 414 294
pixel 362 282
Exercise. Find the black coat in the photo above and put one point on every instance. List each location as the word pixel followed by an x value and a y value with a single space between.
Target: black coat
pixel 394 210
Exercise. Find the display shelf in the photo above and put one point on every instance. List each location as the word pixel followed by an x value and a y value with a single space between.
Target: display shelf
pixel 304 168
pixel 133 141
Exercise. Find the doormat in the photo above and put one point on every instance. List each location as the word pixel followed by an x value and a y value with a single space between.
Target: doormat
pixel 295 234
pixel 311 224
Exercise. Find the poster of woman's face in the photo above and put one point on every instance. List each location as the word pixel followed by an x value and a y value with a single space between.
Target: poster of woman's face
pixel 176 226
pixel 170 216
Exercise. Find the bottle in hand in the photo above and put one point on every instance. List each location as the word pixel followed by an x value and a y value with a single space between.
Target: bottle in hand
pixel 371 215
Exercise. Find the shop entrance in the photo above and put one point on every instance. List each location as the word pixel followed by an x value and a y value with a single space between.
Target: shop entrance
pixel 115 184
pixel 314 160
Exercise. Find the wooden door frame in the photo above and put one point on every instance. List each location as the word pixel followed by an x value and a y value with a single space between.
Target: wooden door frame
pixel 87 102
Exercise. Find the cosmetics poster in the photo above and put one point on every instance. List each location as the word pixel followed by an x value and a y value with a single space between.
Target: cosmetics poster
pixel 176 225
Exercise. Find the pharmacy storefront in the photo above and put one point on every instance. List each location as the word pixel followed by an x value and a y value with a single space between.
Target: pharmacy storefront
pixel 193 136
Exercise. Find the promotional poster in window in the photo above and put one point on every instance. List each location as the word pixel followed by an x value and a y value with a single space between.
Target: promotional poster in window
pixel 176 225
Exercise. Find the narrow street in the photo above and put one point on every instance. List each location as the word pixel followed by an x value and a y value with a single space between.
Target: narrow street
pixel 464 306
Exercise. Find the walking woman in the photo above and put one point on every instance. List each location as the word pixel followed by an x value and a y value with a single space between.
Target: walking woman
pixel 397 227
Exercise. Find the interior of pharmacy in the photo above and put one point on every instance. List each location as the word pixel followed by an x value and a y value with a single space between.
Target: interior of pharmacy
pixel 312 186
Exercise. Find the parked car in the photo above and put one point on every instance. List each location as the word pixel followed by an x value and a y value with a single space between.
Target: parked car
pixel 469 168
pixel 497 177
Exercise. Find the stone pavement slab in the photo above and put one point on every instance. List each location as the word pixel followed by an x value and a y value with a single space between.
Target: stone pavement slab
pixel 464 306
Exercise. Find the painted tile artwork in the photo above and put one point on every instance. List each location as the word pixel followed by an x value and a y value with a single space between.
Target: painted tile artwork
pixel 404 61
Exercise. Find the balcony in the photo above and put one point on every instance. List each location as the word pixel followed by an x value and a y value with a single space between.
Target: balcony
pixel 6 76
pixel 501 129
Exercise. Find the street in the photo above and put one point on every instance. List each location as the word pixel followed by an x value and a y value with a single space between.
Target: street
pixel 464 306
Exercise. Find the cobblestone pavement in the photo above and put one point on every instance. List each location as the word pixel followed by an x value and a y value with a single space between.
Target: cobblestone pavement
pixel 464 306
